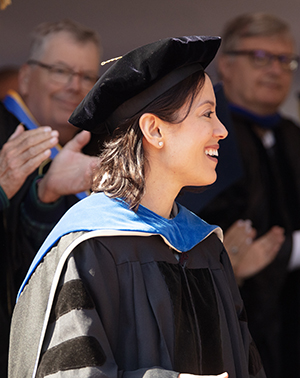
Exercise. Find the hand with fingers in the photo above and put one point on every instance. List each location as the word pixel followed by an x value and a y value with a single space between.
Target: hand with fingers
pixel 236 240
pixel 223 375
pixel 249 255
pixel 24 151
pixel 70 172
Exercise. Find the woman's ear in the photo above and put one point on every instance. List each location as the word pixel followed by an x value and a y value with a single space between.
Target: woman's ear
pixel 150 127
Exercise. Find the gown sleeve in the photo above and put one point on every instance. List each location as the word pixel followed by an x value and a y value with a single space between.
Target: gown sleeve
pixel 38 218
pixel 82 335
pixel 254 361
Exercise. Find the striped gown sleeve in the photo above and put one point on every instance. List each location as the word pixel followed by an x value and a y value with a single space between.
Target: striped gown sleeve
pixel 72 343
pixel 76 344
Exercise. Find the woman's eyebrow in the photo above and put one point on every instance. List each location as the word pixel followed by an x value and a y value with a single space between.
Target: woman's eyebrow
pixel 212 103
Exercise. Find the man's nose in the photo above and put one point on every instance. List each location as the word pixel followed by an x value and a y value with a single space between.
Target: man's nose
pixel 75 82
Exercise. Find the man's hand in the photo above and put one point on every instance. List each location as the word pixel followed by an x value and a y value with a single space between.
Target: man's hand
pixel 249 256
pixel 22 154
pixel 70 172
pixel 184 375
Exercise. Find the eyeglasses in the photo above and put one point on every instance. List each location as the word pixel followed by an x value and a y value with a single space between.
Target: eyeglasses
pixel 262 58
pixel 63 74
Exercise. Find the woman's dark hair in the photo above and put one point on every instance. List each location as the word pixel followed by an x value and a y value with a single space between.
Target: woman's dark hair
pixel 121 168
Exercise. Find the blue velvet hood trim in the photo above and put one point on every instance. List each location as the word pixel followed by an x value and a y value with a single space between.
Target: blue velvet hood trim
pixel 98 212
pixel 268 122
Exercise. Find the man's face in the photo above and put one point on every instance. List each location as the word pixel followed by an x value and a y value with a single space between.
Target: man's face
pixel 52 102
pixel 258 89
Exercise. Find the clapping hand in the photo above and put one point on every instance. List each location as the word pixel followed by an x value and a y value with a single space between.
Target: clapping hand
pixel 70 172
pixel 22 154
pixel 249 255
pixel 223 375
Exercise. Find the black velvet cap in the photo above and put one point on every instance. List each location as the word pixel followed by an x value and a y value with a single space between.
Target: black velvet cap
pixel 139 77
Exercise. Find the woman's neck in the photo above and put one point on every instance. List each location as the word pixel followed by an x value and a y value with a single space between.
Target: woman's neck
pixel 159 199
pixel 161 187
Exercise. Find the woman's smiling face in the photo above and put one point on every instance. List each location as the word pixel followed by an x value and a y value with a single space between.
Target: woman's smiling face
pixel 191 147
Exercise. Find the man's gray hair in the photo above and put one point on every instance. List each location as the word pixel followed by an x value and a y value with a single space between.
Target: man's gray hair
pixel 43 31
pixel 253 25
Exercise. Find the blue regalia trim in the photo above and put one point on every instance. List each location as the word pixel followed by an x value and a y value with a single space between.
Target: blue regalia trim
pixel 98 212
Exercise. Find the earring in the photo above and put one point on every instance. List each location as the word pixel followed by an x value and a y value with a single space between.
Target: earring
pixel 160 143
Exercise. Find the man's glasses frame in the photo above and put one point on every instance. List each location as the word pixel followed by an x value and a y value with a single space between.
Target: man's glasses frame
pixel 262 58
pixel 63 74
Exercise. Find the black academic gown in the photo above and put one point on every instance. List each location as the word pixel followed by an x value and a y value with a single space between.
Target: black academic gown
pixel 17 249
pixel 15 243
pixel 132 306
pixel 8 123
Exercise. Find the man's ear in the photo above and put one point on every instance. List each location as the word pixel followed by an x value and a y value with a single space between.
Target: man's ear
pixel 150 126
pixel 224 64
pixel 24 76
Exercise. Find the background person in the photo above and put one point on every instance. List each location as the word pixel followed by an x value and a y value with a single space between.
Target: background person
pixel 19 157
pixel 259 198
pixel 62 67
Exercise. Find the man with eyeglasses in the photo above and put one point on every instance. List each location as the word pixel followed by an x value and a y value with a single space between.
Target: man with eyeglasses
pixel 256 199
pixel 62 67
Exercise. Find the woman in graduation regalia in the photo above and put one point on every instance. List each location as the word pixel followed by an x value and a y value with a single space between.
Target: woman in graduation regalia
pixel 129 283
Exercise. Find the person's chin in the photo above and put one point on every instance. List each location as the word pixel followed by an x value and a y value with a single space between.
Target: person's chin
pixel 206 182
pixel 212 179
pixel 69 108
pixel 271 91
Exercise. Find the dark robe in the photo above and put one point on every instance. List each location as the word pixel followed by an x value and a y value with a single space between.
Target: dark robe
pixel 265 190
pixel 128 303
pixel 8 123
pixel 17 248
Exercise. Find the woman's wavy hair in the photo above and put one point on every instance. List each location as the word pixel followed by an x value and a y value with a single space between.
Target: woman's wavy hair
pixel 121 168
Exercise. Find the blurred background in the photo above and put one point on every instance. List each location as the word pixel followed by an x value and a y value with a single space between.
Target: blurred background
pixel 124 25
